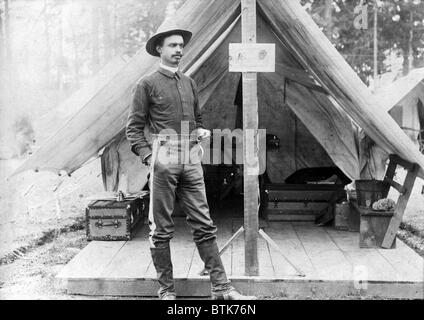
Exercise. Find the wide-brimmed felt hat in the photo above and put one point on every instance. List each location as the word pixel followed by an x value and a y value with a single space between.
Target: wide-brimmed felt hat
pixel 153 41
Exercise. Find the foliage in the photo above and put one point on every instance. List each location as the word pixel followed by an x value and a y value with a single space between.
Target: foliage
pixel 49 48
pixel 394 32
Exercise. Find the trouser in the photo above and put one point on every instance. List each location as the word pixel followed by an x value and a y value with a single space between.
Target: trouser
pixel 173 175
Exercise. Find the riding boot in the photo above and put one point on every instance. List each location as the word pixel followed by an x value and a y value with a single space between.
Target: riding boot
pixel 162 261
pixel 221 287
pixel 209 253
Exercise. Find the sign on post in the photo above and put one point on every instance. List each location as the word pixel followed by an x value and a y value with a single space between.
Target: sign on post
pixel 252 57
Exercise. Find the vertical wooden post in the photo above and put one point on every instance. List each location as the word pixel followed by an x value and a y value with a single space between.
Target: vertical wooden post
pixel 250 123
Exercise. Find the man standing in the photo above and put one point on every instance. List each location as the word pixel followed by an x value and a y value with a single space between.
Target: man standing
pixel 167 100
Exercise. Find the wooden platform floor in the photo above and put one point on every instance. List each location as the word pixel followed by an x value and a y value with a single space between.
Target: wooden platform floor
pixel 334 265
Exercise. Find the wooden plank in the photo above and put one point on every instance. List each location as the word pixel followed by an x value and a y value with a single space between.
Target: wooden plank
pixel 406 284
pixel 286 238
pixel 390 173
pixel 329 261
pixel 250 150
pixel 133 258
pixel 92 260
pixel 266 268
pixel 396 185
pixel 274 245
pixel 284 288
pixel 368 262
pixel 252 57
pixel 406 261
pixel 400 208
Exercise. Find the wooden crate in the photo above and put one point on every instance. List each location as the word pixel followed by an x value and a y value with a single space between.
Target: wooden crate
pixel 373 227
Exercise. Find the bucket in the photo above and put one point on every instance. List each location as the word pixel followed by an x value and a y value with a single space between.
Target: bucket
pixel 370 191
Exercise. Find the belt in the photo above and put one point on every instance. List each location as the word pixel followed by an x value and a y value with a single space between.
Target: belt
pixel 173 139
pixel 176 143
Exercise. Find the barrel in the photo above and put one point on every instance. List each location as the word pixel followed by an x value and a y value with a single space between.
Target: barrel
pixel 370 191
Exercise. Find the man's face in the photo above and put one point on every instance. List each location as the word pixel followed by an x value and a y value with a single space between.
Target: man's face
pixel 171 51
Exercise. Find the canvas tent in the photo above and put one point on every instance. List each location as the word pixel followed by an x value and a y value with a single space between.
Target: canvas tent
pixel 404 99
pixel 312 83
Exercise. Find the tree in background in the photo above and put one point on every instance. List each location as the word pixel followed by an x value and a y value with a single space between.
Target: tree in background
pixel 5 52
pixel 58 44
pixel 400 32
pixel 403 29
pixel 141 20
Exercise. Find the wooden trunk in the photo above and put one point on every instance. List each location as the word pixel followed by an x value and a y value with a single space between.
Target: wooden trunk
pixel 110 220
pixel 373 228
pixel 298 202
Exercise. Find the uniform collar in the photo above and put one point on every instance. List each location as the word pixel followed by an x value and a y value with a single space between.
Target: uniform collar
pixel 171 69
pixel 169 73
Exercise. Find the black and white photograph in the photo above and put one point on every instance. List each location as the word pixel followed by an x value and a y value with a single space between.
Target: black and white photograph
pixel 212 150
